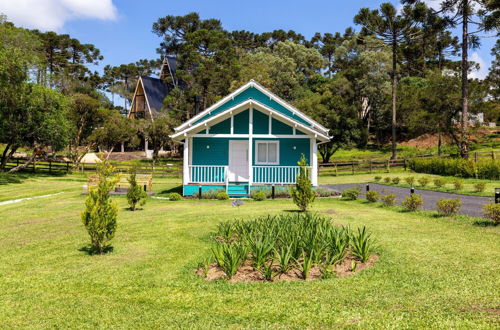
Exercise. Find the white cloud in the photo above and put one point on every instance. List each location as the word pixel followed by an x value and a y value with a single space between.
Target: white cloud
pixel 434 4
pixel 53 14
pixel 482 72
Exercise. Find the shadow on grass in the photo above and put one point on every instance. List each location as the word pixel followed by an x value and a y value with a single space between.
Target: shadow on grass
pixel 484 223
pixel 7 178
pixel 92 250
pixel 177 189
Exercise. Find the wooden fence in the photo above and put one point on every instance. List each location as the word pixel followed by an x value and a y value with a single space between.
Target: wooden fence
pixel 334 168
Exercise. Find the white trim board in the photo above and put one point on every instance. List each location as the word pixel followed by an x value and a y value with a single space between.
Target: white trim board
pixel 262 89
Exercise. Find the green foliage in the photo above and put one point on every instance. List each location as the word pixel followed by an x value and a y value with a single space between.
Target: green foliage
pixel 350 194
pixel 480 186
pixel 211 193
pixel 287 241
pixel 484 169
pixel 410 180
pixel 302 193
pixel 438 182
pixel 372 196
pixel 413 202
pixel 388 200
pixel 458 184
pixel 492 211
pixel 259 195
pixel 362 245
pixel 222 195
pixel 378 178
pixel 423 181
pixel 135 194
pixel 448 206
pixel 99 217
pixel 387 179
pixel 174 197
pixel 396 180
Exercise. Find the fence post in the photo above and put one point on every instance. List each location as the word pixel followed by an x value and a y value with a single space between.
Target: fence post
pixel 492 154
pixel 50 166
pixel 388 167
pixel 34 167
pixel 67 166
pixel 475 157
pixel 404 164
pixel 17 162
pixel 352 166
pixel 370 166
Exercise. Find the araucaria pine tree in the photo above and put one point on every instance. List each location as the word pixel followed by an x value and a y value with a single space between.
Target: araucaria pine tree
pixel 135 194
pixel 303 195
pixel 101 212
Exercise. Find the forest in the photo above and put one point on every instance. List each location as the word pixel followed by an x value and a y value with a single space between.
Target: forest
pixel 393 76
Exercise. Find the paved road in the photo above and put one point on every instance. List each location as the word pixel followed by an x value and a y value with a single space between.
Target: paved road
pixel 471 205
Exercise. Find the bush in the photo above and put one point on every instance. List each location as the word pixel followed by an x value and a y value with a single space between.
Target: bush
pixel 211 193
pixel 372 196
pixel 174 197
pixel 458 184
pixel 423 181
pixel 259 196
pixel 484 169
pixel 448 206
pixel 322 192
pixel 378 178
pixel 302 193
pixel 480 187
pixel 99 217
pixel 396 180
pixel 388 200
pixel 439 182
pixel 135 194
pixel 413 202
pixel 222 196
pixel 492 211
pixel 410 180
pixel 387 179
pixel 350 194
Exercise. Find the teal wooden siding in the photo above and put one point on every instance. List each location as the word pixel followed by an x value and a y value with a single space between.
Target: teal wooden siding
pixel 240 122
pixel 260 122
pixel 193 190
pixel 223 127
pixel 281 128
pixel 217 152
pixel 253 93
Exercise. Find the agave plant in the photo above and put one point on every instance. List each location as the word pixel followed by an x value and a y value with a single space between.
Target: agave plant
pixel 362 245
pixel 267 271
pixel 233 256
pixel 260 247
pixel 284 258
pixel 306 265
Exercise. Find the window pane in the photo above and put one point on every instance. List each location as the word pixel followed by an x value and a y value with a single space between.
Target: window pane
pixel 261 152
pixel 272 153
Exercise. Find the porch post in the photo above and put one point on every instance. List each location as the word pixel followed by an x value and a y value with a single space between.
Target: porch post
pixel 314 162
pixel 185 174
pixel 250 144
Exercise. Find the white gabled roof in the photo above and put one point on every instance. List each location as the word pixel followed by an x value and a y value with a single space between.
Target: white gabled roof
pixel 318 128
pixel 259 106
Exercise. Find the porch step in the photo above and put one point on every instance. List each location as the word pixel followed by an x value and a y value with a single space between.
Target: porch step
pixel 237 189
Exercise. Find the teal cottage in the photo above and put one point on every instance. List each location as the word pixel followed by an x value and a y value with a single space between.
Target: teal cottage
pixel 250 139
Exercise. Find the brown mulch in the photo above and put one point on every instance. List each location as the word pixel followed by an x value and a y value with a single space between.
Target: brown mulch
pixel 247 273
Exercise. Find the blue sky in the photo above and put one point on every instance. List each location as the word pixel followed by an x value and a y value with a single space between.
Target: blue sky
pixel 122 28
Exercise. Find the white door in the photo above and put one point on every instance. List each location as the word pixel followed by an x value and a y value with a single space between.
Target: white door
pixel 238 161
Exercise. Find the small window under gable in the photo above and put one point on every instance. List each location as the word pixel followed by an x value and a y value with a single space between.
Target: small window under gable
pixel 267 153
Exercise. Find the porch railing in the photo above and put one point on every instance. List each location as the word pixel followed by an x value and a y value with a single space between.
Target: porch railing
pixel 276 174
pixel 207 174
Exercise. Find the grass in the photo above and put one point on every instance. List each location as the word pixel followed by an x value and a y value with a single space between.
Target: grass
pixel 434 272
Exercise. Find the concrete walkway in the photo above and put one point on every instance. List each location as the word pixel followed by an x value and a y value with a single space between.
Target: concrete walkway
pixel 471 205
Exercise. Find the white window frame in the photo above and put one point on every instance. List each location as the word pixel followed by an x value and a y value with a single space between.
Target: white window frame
pixel 277 143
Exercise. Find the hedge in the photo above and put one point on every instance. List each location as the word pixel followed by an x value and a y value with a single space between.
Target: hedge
pixel 484 169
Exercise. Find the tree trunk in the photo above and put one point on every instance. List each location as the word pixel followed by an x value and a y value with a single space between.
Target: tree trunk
pixel 464 146
pixel 439 143
pixel 6 155
pixel 394 95
pixel 20 167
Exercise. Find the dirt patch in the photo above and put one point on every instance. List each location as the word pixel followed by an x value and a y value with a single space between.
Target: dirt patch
pixel 331 211
pixel 495 311
pixel 247 273
pixel 426 141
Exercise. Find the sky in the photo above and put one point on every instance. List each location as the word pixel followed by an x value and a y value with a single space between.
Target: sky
pixel 121 29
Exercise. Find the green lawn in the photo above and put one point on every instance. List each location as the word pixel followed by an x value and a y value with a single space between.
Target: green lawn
pixel 433 272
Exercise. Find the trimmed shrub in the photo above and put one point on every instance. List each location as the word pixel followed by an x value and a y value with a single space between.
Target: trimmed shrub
pixel 350 194
pixel 413 202
pixel 389 200
pixel 322 192
pixel 211 194
pixel 302 193
pixel 410 180
pixel 222 196
pixel 135 194
pixel 423 181
pixel 387 179
pixel 396 180
pixel 259 196
pixel 484 169
pixel 439 182
pixel 458 184
pixel 492 211
pixel 448 206
pixel 480 187
pixel 378 178
pixel 372 196
pixel 174 197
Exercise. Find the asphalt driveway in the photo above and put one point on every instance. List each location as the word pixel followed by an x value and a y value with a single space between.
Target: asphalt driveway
pixel 471 205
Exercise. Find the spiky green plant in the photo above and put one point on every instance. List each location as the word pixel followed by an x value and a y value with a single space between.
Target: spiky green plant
pixel 233 255
pixel 362 244
pixel 306 264
pixel 284 258
pixel 267 271
pixel 260 248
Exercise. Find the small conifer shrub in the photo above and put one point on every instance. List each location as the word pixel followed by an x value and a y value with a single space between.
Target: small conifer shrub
pixel 135 194
pixel 302 193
